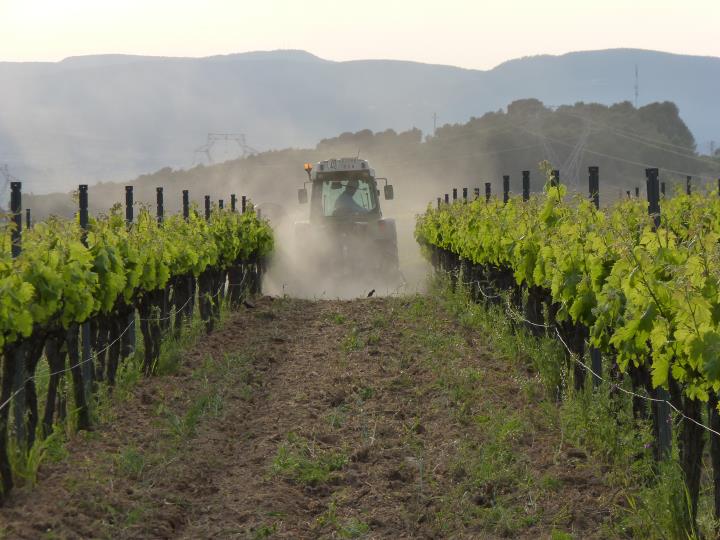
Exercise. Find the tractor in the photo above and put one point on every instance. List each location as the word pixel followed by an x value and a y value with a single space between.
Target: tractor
pixel 346 235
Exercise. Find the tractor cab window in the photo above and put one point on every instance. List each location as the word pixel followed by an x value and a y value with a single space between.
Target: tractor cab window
pixel 348 196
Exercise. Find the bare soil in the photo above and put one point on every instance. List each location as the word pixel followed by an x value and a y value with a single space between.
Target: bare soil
pixel 428 434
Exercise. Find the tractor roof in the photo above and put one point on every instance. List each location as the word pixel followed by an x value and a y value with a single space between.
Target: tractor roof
pixel 343 164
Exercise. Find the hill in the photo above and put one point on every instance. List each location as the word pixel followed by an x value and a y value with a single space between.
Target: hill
pixel 112 117
pixel 620 139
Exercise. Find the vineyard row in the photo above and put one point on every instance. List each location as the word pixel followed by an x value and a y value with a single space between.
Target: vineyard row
pixel 71 292
pixel 637 284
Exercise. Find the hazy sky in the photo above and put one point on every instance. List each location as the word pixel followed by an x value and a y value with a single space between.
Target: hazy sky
pixel 473 34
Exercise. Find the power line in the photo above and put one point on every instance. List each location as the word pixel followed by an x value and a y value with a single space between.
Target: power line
pixel 213 138
pixel 653 145
pixel 617 158
pixel 625 131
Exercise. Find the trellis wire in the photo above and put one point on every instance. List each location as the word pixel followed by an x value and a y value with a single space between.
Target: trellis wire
pixel 519 318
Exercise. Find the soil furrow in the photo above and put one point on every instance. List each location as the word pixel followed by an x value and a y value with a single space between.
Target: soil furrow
pixel 376 418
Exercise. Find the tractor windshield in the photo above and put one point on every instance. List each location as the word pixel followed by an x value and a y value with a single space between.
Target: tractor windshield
pixel 348 196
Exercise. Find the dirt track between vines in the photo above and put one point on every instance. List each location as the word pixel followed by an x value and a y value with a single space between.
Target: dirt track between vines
pixel 374 382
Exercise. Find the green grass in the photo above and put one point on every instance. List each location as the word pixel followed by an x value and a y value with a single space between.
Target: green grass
pixel 654 498
pixel 337 416
pixel 490 475
pixel 173 347
pixel 264 531
pixel 333 316
pixel 379 321
pixel 104 403
pixel 25 465
pixel 328 518
pixel 185 426
pixel 353 528
pixel 130 462
pixel 352 342
pixel 303 462
pixel 181 416
pixel 342 528
pixel 129 373
pixel 365 393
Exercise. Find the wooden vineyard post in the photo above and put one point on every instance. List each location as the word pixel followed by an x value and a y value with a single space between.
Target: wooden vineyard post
pixel 165 307
pixel 506 189
pixel 243 204
pixel 653 196
pixel 454 193
pixel 488 188
pixel 86 351
pixel 439 202
pixel 594 185
pixel 476 191
pixel 129 205
pixel 533 305
pixel 714 420
pixel 128 340
pixel 662 188
pixel 18 381
pixel 222 278
pixel 16 211
pixel 236 271
pixel 465 194
pixel 691 433
pixel 82 374
pixel 555 178
pixel 688 185
pixel 185 285
pixel 160 205
pixel 637 192
pixel 662 408
pixel 573 333
pixel 205 284
pixel 447 199
pixel 28 219
pixel 10 356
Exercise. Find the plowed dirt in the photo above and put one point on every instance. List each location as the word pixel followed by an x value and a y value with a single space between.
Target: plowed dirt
pixel 373 418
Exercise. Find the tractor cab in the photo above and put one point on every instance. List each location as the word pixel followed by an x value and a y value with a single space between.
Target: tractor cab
pixel 346 232
pixel 343 190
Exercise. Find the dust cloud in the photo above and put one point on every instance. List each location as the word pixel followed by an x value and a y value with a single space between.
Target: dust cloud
pixel 301 267
pixel 292 270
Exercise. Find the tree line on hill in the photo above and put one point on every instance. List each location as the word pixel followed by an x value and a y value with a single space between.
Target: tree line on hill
pixel 621 139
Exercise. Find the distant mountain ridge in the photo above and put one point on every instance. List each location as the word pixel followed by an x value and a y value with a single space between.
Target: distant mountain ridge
pixel 111 117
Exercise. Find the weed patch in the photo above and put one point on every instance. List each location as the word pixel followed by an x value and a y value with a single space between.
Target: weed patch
pixel 304 463
pixel 353 341
pixel 130 462
pixel 185 426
